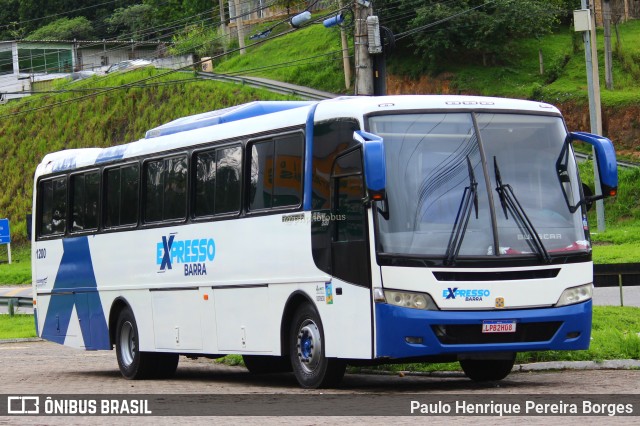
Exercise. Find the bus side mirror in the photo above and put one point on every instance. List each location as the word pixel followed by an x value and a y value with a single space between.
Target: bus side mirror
pixel 374 164
pixel 605 161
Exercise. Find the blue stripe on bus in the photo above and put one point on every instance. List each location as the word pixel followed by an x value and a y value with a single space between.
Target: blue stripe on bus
pixel 65 164
pixel 76 272
pixel 111 153
pixel 394 324
pixel 308 159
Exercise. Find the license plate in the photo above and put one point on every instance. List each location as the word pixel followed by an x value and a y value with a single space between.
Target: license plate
pixel 499 326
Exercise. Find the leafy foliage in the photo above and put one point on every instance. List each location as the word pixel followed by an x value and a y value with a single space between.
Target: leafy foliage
pixel 133 20
pixel 109 19
pixel 198 39
pixel 473 28
pixel 64 29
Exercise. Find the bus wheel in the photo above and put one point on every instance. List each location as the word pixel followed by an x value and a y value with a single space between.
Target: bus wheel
pixel 264 364
pixel 133 363
pixel 483 370
pixel 306 347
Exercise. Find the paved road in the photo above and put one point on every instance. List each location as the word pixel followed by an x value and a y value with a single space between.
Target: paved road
pixel 54 369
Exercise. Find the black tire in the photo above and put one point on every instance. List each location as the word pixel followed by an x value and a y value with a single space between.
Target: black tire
pixel 264 364
pixel 306 348
pixel 484 370
pixel 136 365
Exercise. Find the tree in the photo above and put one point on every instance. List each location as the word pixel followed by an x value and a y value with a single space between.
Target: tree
pixel 476 27
pixel 8 18
pixel 64 29
pixel 198 39
pixel 135 21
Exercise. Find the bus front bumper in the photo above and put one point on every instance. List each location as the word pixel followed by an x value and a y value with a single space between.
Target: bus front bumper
pixel 407 333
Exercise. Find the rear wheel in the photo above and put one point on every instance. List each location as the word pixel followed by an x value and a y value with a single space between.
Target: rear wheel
pixel 133 364
pixel 261 364
pixel 306 347
pixel 484 370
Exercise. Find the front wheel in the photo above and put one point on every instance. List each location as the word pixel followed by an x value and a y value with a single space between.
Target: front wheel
pixel 306 348
pixel 484 370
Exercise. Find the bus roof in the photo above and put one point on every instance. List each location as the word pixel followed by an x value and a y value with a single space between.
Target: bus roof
pixel 233 122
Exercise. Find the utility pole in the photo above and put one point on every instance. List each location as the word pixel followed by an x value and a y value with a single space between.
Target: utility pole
pixel 239 26
pixel 363 61
pixel 608 64
pixel 593 83
pixel 223 27
pixel 345 54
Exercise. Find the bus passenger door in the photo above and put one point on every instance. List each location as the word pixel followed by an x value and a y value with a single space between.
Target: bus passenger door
pixel 349 247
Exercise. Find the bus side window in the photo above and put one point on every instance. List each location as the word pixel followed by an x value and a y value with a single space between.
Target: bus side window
pixel 85 191
pixel 53 213
pixel 349 249
pixel 275 178
pixel 121 195
pixel 166 189
pixel 349 192
pixel 217 181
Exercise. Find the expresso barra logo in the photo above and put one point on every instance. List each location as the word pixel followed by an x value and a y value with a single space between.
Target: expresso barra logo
pixel 191 255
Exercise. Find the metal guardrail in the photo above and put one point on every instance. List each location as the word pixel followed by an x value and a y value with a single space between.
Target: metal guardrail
pixel 12 302
pixel 623 164
pixel 274 86
pixel 617 275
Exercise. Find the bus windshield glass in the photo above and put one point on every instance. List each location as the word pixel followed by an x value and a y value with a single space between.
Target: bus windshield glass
pixel 512 175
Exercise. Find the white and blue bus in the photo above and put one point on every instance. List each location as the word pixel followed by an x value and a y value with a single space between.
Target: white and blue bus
pixel 306 236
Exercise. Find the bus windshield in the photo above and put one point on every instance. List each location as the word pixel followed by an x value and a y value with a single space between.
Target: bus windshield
pixel 515 171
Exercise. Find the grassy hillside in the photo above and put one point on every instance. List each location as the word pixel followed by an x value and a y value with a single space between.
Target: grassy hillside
pixel 311 56
pixel 117 117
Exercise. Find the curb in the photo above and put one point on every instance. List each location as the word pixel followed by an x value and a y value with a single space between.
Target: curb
pixel 614 364
pixel 21 340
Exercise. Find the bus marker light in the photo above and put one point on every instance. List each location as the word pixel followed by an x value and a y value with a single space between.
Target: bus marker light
pixel 205 297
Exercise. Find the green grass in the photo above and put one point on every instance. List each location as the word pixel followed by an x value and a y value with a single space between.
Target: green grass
pixel 617 244
pixel 19 271
pixel 311 56
pixel 516 73
pixel 17 327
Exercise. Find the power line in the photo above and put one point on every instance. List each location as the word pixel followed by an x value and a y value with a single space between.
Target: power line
pixel 56 14
pixel 432 24
pixel 111 89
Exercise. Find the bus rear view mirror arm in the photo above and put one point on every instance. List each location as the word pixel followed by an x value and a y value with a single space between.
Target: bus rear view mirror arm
pixel 605 161
pixel 374 164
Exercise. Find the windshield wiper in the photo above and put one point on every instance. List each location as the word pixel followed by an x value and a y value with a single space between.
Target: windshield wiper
pixel 469 199
pixel 509 201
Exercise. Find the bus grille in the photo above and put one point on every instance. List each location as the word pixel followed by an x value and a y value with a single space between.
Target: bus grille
pixel 464 334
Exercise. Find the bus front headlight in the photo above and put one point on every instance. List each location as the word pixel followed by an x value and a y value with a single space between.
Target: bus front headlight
pixel 575 295
pixel 405 299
